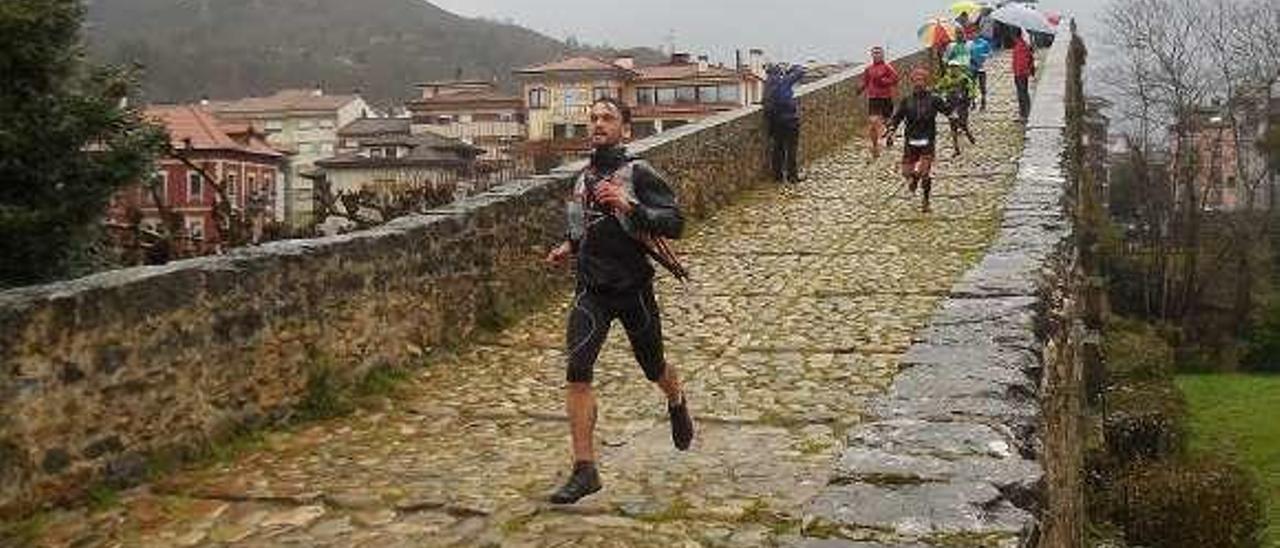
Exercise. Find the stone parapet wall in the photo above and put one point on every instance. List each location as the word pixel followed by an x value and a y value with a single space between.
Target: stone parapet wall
pixel 100 375
pixel 966 447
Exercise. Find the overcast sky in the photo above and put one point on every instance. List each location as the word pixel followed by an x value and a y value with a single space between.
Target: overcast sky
pixel 792 30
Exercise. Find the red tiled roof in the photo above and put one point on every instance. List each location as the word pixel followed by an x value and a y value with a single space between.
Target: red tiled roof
pixel 284 100
pixel 468 97
pixel 189 123
pixel 574 64
pixel 685 72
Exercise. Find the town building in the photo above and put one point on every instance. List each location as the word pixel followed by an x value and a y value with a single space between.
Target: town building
pixel 303 123
pixel 558 95
pixel 381 174
pixel 1231 173
pixel 474 112
pixel 207 154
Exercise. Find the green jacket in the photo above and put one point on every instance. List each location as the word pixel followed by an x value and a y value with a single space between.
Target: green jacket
pixel 956 80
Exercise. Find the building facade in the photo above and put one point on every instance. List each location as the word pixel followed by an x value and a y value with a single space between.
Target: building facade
pixel 474 112
pixel 662 97
pixel 235 156
pixel 386 174
pixel 303 123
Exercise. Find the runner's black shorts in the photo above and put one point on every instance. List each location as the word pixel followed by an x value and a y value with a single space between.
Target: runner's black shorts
pixel 592 315
pixel 880 107
pixel 912 155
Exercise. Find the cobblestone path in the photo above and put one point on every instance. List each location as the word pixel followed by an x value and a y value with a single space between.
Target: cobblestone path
pixel 802 300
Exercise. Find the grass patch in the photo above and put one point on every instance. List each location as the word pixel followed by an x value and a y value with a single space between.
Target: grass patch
pixel 381 381
pixel 102 497
pixel 813 446
pixel 678 510
pixel 25 532
pixel 1236 415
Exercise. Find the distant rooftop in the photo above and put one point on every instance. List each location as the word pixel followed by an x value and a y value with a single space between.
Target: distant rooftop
pixel 287 100
pixel 375 126
pixel 194 128
pixel 574 64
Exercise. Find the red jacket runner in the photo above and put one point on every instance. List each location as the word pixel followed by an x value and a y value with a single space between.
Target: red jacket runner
pixel 1024 64
pixel 880 81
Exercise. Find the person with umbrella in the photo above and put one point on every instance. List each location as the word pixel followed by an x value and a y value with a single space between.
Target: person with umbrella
pixel 880 84
pixel 920 113
pixel 937 34
pixel 1024 67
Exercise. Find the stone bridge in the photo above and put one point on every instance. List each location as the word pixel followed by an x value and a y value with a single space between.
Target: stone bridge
pixel 861 374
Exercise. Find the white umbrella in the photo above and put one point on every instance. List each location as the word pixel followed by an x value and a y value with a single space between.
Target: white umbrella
pixel 1024 17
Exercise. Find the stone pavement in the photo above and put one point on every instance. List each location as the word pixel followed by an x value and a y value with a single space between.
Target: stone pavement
pixel 803 298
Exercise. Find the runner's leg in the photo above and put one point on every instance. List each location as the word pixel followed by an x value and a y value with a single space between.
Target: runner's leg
pixel 587 330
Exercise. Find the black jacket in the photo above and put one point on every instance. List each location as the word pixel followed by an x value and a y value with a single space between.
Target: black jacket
pixel 920 110
pixel 609 255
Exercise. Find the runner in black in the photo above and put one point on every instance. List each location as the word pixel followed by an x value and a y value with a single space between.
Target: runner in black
pixel 920 111
pixel 620 210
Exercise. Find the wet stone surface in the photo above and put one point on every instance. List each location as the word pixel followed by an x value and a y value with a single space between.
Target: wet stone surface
pixel 803 300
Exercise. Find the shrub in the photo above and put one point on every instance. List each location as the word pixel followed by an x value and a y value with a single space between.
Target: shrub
pixel 1264 341
pixel 1145 419
pixel 1136 350
pixel 1201 502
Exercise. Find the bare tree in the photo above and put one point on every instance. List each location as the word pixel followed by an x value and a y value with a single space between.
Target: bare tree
pixel 1174 58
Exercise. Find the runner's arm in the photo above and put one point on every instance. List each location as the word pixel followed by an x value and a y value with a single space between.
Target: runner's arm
pixel 657 211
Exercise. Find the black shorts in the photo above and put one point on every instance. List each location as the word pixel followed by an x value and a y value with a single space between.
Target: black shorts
pixel 880 107
pixel 911 155
pixel 591 317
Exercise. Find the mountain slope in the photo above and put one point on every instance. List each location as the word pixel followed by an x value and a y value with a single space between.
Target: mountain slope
pixel 234 48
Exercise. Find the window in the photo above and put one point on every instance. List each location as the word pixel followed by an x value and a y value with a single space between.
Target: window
pixel 160 181
pixel 708 94
pixel 506 117
pixel 573 97
pixel 444 120
pixel 602 92
pixel 729 93
pixel 558 131
pixel 686 94
pixel 326 123
pixel 539 98
pixel 580 130
pixel 306 123
pixel 666 96
pixel 640 130
pixel 230 187
pixel 252 187
pixel 195 188
pixel 274 125
pixel 645 96
pixel 195 227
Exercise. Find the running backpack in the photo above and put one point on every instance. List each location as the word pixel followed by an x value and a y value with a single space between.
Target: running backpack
pixel 656 247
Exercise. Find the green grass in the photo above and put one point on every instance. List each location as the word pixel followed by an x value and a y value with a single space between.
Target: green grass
pixel 1240 415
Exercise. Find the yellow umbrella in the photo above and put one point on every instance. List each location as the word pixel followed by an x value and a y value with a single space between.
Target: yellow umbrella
pixel 966 7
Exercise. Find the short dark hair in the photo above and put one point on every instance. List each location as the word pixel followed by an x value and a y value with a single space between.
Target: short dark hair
pixel 624 110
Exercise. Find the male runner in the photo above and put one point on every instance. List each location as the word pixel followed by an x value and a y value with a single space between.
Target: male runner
pixel 880 83
pixel 920 111
pixel 620 206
